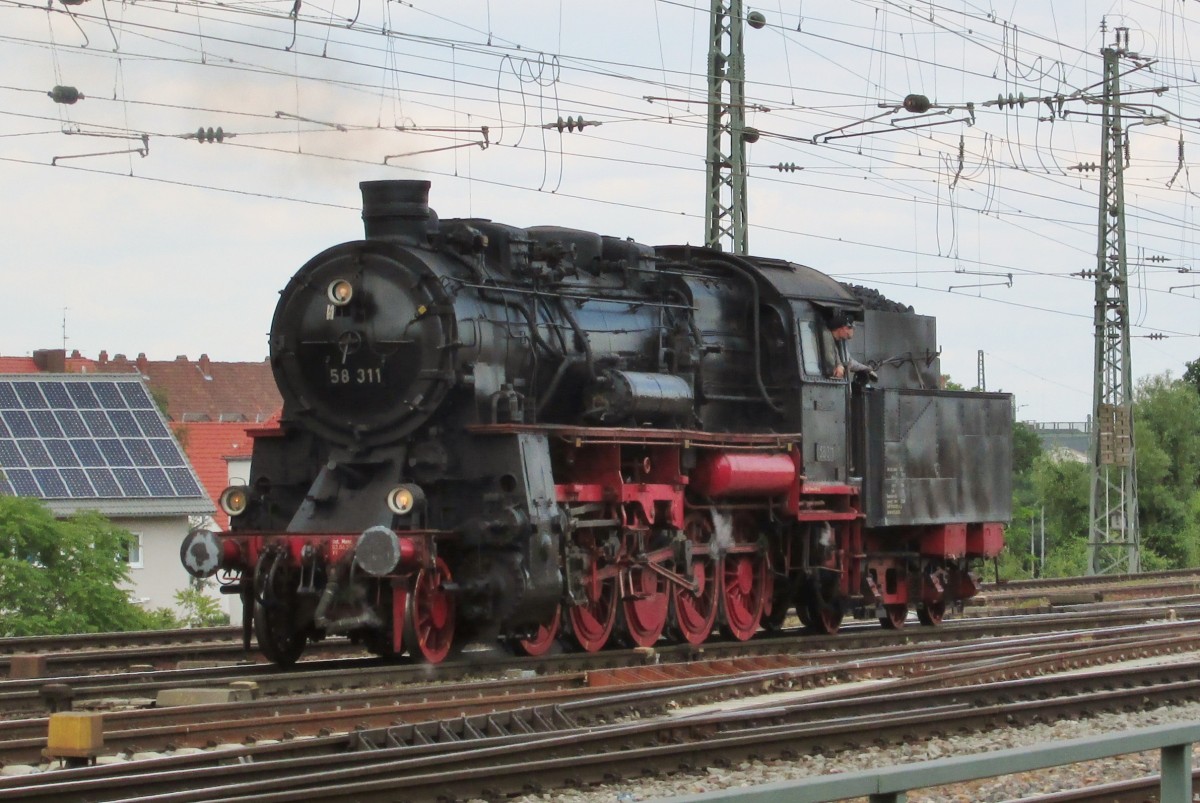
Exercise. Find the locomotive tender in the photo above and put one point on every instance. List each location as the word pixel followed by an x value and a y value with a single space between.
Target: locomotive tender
pixel 491 432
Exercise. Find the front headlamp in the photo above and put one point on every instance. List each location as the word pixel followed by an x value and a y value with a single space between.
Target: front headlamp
pixel 234 500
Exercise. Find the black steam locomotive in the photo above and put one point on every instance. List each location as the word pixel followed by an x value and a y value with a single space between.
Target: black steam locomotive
pixel 538 434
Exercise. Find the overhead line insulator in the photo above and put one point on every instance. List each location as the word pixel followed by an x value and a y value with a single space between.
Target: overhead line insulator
pixel 207 135
pixel 571 124
pixel 65 94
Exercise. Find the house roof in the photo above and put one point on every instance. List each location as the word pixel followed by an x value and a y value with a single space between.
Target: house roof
pixel 92 442
pixel 210 445
pixel 203 389
pixel 17 365
pixel 210 403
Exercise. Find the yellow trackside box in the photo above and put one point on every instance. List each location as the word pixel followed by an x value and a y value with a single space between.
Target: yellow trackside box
pixel 75 734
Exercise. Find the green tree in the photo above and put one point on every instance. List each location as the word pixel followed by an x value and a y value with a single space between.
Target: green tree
pixel 199 609
pixel 1027 447
pixel 1059 491
pixel 1166 412
pixel 63 576
pixel 1017 561
pixel 1192 373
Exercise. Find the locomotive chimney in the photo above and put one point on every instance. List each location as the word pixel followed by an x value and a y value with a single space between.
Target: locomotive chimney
pixel 397 210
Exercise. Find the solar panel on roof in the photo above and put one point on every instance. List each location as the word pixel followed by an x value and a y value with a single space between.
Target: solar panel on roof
pixel 22 482
pixel 123 423
pixel 99 424
pixel 71 423
pixel 77 483
pixel 87 452
pixel 8 397
pixel 151 424
pixel 87 438
pixel 156 481
pixel 51 483
pixel 10 455
pixel 19 423
pixel 131 484
pixel 114 453
pixel 60 453
pixel 82 395
pixel 167 451
pixel 56 394
pixel 35 453
pixel 135 395
pixel 46 424
pixel 140 451
pixel 109 396
pixel 30 395
pixel 104 482
pixel 183 481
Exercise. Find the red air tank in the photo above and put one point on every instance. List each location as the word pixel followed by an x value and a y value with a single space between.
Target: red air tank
pixel 743 474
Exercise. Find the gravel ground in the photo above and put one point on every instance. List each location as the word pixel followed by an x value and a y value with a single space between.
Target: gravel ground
pixel 985 791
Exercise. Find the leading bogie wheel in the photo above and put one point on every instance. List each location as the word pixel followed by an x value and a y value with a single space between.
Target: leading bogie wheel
pixel 429 618
pixel 279 637
pixel 276 633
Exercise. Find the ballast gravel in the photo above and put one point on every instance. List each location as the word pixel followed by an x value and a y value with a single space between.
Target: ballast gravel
pixel 1004 788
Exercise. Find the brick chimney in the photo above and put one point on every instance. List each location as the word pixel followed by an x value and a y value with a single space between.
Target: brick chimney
pixel 51 361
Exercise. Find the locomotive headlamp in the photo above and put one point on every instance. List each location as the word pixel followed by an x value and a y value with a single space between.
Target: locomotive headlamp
pixel 339 292
pixel 403 499
pixel 234 500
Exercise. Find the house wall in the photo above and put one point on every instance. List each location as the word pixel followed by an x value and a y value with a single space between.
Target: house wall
pixel 154 584
pixel 239 470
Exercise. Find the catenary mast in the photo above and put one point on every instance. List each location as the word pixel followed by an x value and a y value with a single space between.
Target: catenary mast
pixel 1114 538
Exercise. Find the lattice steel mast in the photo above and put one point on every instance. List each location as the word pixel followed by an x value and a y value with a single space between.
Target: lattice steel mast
pixel 1114 538
pixel 725 160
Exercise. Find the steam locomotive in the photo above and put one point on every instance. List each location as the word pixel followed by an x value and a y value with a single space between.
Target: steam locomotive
pixel 544 435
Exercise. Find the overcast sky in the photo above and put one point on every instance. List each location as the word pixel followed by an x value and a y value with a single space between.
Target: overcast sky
pixel 118 220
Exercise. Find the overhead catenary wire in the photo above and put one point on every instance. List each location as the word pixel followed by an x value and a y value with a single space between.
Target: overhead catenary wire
pixel 620 105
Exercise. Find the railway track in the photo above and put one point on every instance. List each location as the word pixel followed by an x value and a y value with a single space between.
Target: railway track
pixel 163 729
pixel 122 652
pixel 95 653
pixel 110 641
pixel 303 715
pixel 1061 591
pixel 569 743
pixel 23 698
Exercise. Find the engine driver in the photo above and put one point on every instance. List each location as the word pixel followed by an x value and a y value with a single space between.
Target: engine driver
pixel 841 327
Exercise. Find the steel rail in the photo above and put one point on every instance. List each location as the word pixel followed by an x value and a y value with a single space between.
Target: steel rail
pixel 853 708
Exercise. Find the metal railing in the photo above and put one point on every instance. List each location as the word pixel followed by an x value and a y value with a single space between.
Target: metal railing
pixel 891 784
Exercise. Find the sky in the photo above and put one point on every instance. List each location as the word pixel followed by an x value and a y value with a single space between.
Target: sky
pixel 126 233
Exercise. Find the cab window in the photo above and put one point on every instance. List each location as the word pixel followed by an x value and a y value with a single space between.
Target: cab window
pixel 810 348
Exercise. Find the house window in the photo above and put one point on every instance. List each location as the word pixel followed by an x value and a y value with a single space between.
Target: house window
pixel 134 557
